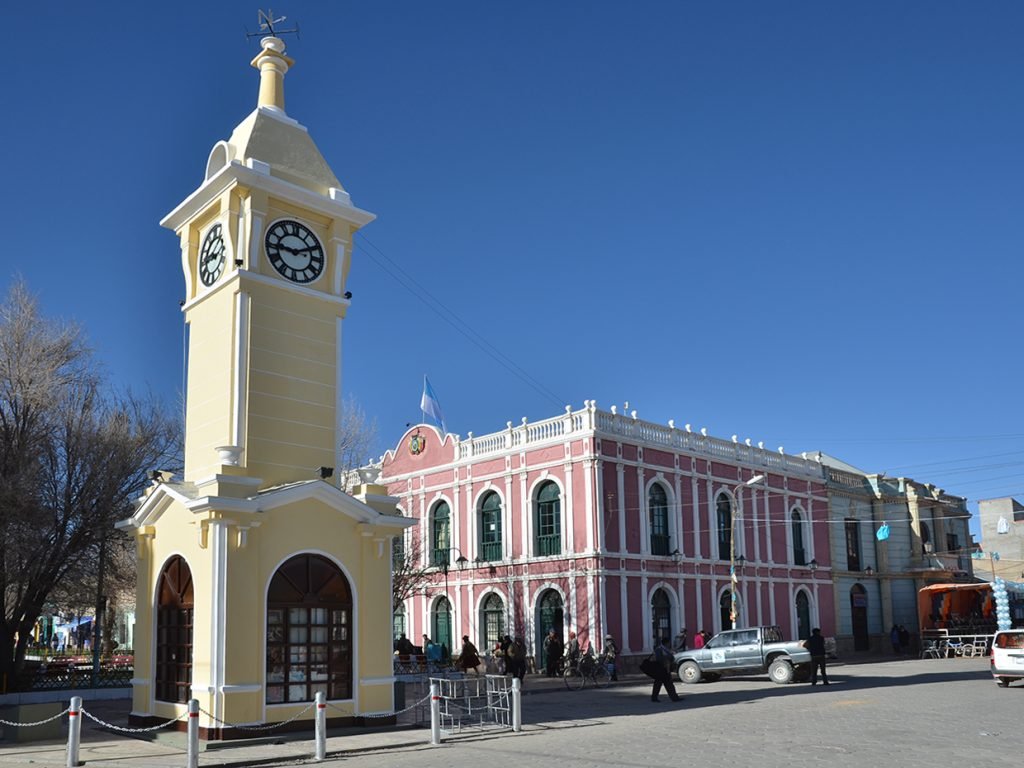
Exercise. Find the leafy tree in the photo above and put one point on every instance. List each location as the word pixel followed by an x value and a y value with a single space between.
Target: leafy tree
pixel 73 457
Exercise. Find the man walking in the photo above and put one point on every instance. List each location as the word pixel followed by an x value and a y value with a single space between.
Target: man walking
pixel 815 645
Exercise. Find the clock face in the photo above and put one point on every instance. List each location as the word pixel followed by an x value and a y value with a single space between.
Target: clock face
pixel 294 251
pixel 211 257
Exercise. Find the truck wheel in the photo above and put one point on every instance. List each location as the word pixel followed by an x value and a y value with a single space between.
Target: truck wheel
pixel 781 671
pixel 689 672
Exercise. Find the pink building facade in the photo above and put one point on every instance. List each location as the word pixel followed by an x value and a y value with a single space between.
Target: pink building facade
pixel 598 522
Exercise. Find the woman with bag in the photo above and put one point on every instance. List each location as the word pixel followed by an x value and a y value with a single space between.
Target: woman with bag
pixel 469 657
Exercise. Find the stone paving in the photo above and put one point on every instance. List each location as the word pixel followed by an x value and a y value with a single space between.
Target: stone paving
pixel 900 714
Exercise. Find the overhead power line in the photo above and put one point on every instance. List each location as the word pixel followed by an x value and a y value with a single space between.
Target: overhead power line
pixel 440 309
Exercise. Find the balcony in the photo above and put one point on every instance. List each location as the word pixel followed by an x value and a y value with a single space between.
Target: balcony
pixel 440 557
pixel 490 551
pixel 659 544
pixel 550 544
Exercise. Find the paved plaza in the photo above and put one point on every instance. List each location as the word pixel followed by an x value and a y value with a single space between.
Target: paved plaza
pixel 900 714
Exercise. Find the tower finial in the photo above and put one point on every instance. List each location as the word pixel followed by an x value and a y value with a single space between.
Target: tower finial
pixel 272 64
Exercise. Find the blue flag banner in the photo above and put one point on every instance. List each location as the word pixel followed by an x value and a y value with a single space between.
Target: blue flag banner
pixel 431 407
pixel 883 532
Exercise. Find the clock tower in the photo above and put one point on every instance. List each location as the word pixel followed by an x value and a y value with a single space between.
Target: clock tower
pixel 266 245
pixel 261 585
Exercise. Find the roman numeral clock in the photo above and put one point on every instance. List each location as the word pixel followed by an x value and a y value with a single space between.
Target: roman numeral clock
pixel 294 251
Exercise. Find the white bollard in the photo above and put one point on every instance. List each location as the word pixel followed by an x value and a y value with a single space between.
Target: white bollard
pixel 74 731
pixel 321 725
pixel 435 714
pixel 193 734
pixel 517 705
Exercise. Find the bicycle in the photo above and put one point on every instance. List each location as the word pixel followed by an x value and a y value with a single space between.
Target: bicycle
pixel 587 668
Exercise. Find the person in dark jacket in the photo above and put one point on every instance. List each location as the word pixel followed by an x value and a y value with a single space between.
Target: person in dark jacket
pixel 469 657
pixel 552 653
pixel 815 645
pixel 663 659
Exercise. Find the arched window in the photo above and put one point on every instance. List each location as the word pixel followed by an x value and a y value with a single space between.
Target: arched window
pixel 799 552
pixel 398 622
pixel 803 616
pixel 309 631
pixel 490 527
pixel 661 616
pixel 174 611
pixel 549 520
pixel 440 535
pixel 441 625
pixel 657 513
pixel 723 508
pixel 492 620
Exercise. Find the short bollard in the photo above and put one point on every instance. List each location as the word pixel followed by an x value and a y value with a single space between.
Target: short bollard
pixel 517 705
pixel 74 731
pixel 193 734
pixel 321 725
pixel 435 714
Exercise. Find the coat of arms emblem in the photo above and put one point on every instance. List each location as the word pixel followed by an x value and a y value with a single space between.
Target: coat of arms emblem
pixel 417 443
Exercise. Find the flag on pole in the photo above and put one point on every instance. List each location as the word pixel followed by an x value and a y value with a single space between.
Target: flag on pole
pixel 431 407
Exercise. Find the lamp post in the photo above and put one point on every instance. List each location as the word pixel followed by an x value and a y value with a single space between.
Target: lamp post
pixel 734 579
pixel 460 561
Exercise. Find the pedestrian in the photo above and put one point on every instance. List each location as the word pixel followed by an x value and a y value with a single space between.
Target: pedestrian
pixel 404 645
pixel 815 645
pixel 572 650
pixel 515 657
pixel 894 638
pixel 904 640
pixel 609 652
pixel 469 657
pixel 663 670
pixel 680 642
pixel 552 653
pixel 698 640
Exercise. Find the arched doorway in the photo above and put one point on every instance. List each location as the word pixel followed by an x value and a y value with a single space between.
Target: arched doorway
pixel 725 610
pixel 803 616
pixel 309 631
pixel 661 616
pixel 441 625
pixel 859 617
pixel 492 622
pixel 550 615
pixel 174 611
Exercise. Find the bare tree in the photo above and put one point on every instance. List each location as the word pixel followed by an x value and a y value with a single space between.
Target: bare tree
pixel 408 573
pixel 73 457
pixel 357 438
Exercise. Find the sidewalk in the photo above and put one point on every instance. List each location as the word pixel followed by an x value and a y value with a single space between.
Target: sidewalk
pixel 106 748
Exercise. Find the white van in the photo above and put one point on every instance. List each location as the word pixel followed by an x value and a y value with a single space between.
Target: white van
pixel 1007 657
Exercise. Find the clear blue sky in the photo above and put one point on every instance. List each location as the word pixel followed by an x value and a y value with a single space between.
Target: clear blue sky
pixel 795 221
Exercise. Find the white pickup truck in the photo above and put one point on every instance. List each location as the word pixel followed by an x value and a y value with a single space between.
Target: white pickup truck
pixel 745 651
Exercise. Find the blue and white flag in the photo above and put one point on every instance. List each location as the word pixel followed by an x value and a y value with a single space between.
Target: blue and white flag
pixel 431 407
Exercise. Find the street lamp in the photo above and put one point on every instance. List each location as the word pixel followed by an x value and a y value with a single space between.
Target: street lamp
pixel 869 571
pixel 734 579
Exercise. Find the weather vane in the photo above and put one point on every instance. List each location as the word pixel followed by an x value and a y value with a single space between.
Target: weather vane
pixel 267 24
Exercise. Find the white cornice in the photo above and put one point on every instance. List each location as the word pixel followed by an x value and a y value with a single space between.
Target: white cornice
pixel 164 496
pixel 243 274
pixel 236 173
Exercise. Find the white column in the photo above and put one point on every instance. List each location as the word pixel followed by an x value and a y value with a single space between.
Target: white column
pixel 590 507
pixel 620 477
pixel 568 518
pixel 645 535
pixel 623 611
pixel 695 511
pixel 218 542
